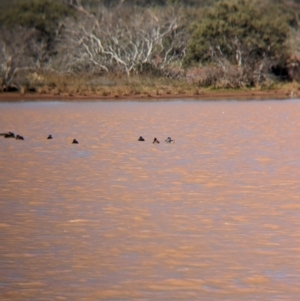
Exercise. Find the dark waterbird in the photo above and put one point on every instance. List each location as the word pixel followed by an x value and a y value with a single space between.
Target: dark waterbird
pixel 50 137
pixel 19 137
pixel 141 139
pixel 169 140
pixel 8 135
pixel 75 141
pixel 155 141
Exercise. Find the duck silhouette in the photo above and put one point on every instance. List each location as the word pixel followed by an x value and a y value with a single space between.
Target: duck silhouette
pixel 8 135
pixel 141 139
pixel 75 141
pixel 155 141
pixel 50 137
pixel 169 140
pixel 19 137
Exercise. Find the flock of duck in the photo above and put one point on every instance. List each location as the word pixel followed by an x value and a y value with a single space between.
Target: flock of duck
pixel 12 135
pixel 19 137
pixel 155 141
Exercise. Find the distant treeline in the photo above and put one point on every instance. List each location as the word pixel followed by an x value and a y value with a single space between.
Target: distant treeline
pixel 224 44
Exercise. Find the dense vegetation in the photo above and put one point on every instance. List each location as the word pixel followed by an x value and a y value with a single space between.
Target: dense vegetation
pixel 243 39
pixel 222 44
pixel 43 16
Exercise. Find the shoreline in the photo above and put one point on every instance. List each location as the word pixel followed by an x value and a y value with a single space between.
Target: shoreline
pixel 277 94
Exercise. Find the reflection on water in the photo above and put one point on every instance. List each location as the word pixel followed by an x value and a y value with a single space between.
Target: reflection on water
pixel 215 216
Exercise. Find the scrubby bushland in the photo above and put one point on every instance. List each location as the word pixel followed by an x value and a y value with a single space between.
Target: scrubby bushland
pixel 69 38
pixel 232 43
pixel 143 3
pixel 128 40
pixel 42 15
pixel 28 35
pixel 243 40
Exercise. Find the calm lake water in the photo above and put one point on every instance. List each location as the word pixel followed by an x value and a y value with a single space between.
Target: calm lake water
pixel 215 216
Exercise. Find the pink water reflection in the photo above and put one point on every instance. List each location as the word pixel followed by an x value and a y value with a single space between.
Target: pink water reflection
pixel 215 216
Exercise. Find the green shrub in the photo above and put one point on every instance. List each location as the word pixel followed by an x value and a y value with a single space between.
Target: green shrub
pixel 240 32
pixel 42 15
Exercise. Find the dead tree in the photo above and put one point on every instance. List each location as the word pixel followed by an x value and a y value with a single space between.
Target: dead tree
pixel 126 40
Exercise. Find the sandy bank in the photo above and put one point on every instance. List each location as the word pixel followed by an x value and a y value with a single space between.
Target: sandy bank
pixel 207 95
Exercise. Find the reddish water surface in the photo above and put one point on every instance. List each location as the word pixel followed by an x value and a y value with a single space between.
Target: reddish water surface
pixel 215 216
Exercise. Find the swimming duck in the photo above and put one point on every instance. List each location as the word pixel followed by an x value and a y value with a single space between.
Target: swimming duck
pixel 75 141
pixel 141 139
pixel 155 141
pixel 50 137
pixel 169 140
pixel 19 137
pixel 8 135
